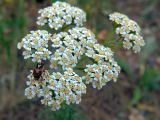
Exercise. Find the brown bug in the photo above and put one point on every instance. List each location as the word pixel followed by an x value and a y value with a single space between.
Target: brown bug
pixel 38 70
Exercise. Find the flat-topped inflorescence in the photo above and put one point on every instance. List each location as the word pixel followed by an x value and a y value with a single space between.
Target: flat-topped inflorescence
pixel 70 46
pixel 61 14
pixel 104 69
pixel 129 30
pixel 35 45
pixel 56 88
pixel 64 49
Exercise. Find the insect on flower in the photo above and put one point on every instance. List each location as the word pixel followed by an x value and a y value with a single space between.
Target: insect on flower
pixel 38 70
pixel 65 48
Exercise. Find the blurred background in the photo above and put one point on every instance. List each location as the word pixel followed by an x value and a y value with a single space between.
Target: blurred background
pixel 136 95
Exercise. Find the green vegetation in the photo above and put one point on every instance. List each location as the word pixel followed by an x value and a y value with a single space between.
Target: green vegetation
pixel 65 113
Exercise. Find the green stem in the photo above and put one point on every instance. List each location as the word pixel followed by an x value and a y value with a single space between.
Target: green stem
pixel 70 117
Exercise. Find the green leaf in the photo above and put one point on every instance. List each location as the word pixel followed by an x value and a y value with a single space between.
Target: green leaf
pixel 136 95
pixel 150 79
pixel 124 66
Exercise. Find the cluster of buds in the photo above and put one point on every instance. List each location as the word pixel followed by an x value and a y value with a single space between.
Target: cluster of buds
pixel 63 50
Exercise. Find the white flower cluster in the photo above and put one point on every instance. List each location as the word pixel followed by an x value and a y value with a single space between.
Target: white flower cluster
pixel 106 68
pixel 85 37
pixel 65 50
pixel 71 46
pixel 68 51
pixel 75 43
pixel 55 89
pixel 129 30
pixel 36 87
pixel 35 45
pixel 61 14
